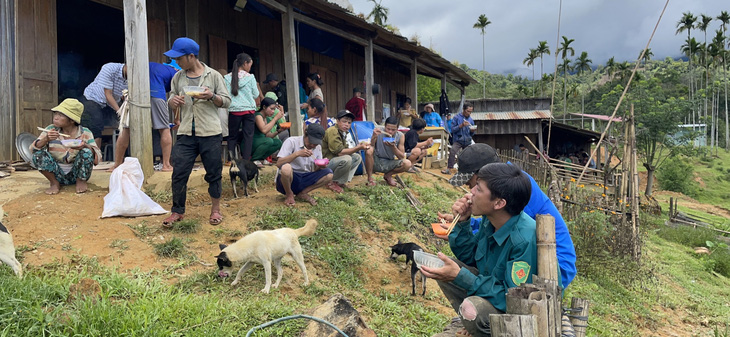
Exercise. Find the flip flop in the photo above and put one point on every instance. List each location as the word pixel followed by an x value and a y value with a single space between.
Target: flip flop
pixel 174 217
pixel 215 218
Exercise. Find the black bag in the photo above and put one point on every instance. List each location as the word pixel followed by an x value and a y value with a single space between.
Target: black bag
pixel 280 92
pixel 443 104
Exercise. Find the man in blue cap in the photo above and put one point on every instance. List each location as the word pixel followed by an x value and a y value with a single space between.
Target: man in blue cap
pixel 199 130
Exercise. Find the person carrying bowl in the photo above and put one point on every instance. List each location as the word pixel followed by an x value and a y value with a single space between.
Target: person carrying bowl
pixel 66 152
pixel 340 147
pixel 387 153
pixel 462 134
pixel 266 135
pixel 301 168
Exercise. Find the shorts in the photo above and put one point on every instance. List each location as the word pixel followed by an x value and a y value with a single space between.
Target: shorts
pixel 385 165
pixel 160 113
pixel 302 180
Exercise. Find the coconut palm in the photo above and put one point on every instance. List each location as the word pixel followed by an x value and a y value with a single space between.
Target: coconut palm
pixel 581 64
pixel 542 49
pixel 703 24
pixel 611 67
pixel 482 23
pixel 687 23
pixel 724 19
pixel 379 13
pixel 646 57
pixel 564 49
pixel 530 61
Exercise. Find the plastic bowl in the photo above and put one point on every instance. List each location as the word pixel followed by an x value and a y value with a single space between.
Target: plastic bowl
pixel 321 162
pixel 425 259
pixel 437 229
pixel 193 90
pixel 472 127
pixel 389 139
pixel 285 125
pixel 71 142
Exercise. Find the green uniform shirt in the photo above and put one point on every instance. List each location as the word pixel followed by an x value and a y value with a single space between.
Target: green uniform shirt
pixel 505 259
pixel 333 142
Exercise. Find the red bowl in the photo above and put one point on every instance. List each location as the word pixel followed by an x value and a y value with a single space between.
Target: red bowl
pixel 437 229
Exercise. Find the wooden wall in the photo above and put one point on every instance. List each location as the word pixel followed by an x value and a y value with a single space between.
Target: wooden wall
pixel 7 80
pixel 496 105
pixel 506 142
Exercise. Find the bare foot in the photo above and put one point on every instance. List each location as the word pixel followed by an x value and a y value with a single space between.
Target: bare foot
pixel 81 186
pixel 167 168
pixel 389 179
pixel 308 198
pixel 289 200
pixel 53 189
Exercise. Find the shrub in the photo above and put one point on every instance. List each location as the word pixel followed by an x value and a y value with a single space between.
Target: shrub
pixel 676 175
pixel 690 237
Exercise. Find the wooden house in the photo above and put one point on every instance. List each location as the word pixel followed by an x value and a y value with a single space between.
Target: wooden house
pixel 51 49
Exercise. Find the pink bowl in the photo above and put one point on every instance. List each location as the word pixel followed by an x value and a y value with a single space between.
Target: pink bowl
pixel 321 162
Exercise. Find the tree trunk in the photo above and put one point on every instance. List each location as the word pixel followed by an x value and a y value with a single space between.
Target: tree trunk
pixel 649 181
pixel 484 70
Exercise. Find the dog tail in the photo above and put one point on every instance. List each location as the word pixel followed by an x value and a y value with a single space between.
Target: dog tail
pixel 308 229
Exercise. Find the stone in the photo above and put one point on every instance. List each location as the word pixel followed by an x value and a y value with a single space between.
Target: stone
pixel 339 311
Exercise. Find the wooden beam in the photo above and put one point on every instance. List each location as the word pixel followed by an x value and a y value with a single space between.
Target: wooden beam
pixel 290 70
pixel 399 57
pixel 138 77
pixel 274 5
pixel 443 82
pixel 369 81
pixel 7 81
pixel 327 28
pixel 414 84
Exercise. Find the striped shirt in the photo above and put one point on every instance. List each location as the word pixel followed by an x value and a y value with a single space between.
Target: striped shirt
pixel 62 154
pixel 110 77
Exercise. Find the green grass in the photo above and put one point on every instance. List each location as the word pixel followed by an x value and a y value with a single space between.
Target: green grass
pixel 187 226
pixel 174 247
pixel 715 173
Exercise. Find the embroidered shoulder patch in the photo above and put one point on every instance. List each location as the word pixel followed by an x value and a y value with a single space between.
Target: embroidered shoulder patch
pixel 520 271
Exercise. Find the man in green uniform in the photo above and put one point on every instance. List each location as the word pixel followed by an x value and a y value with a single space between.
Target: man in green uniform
pixel 502 255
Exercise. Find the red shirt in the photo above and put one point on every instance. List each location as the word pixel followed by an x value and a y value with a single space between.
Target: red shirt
pixel 356 105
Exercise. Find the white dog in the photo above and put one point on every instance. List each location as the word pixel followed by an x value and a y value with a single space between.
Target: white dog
pixel 264 247
pixel 7 251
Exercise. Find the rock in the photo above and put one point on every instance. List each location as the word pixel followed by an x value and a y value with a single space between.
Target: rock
pixel 339 311
pixel 701 250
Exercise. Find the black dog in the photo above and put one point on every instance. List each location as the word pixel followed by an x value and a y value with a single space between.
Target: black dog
pixel 408 249
pixel 245 170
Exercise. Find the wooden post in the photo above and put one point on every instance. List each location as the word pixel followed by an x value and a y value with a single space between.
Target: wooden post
pixel 635 243
pixel 547 258
pixel 414 85
pixel 528 299
pixel 138 77
pixel 369 81
pixel 554 297
pixel 290 69
pixel 192 20
pixel 579 315
pixel 513 325
pixel 8 112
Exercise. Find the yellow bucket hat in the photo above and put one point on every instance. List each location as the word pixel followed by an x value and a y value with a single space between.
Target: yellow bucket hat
pixel 71 108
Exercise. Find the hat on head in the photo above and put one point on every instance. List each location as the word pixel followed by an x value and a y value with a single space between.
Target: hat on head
pixel 272 95
pixel 314 133
pixel 471 159
pixel 271 77
pixel 183 46
pixel 345 113
pixel 429 105
pixel 71 108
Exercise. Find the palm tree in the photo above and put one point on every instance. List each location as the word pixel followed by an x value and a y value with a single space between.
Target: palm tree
pixel 542 49
pixel 702 25
pixel 530 61
pixel 647 56
pixel 611 67
pixel 724 18
pixel 564 49
pixel 687 23
pixel 379 13
pixel 482 23
pixel 581 64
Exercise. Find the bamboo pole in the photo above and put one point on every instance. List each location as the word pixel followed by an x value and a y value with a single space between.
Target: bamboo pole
pixel 528 299
pixel 513 325
pixel 636 248
pixel 547 258
pixel 579 316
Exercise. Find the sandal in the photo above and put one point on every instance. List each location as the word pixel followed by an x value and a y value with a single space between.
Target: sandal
pixel 215 218
pixel 371 182
pixel 334 187
pixel 174 217
pixel 413 170
pixel 446 171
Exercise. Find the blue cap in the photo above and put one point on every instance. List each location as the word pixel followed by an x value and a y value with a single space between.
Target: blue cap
pixel 173 64
pixel 183 46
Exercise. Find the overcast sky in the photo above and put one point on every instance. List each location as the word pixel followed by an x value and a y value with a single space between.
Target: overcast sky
pixel 603 28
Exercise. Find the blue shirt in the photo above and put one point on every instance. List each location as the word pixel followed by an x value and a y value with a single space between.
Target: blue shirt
pixel 160 78
pixel 540 204
pixel 505 258
pixel 461 134
pixel 433 119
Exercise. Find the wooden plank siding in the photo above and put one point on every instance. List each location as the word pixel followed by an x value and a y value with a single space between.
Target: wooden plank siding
pixel 7 80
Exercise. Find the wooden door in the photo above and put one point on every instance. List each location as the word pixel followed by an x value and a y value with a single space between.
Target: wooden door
pixel 217 52
pixel 330 89
pixel 37 63
pixel 157 40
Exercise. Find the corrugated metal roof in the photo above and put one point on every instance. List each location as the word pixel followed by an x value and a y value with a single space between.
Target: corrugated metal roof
pixel 511 115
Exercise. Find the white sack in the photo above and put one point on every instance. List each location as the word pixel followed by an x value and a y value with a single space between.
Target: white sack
pixel 126 197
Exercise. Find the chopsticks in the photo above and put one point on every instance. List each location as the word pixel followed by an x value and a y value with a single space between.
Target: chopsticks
pixel 62 134
pixel 453 223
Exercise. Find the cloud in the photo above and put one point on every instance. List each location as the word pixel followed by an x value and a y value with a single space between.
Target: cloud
pixel 603 28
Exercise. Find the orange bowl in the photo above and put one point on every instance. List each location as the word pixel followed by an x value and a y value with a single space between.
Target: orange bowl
pixel 437 229
pixel 285 125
